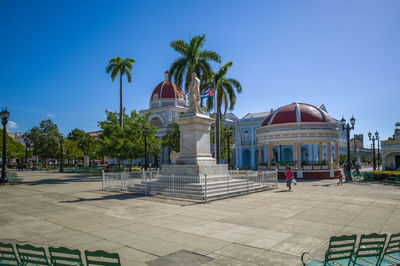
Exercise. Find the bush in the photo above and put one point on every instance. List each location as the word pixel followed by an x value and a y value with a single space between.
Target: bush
pixel 381 175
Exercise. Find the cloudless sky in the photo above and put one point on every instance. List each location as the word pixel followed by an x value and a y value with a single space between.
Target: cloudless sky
pixel 345 54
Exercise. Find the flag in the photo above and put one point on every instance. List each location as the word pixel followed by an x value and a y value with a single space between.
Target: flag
pixel 207 93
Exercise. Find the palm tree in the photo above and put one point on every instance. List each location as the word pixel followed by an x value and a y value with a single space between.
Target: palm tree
pixel 193 59
pixel 225 93
pixel 121 66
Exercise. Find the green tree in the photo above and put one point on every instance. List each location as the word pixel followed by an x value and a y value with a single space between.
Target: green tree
pixel 121 66
pixel 366 159
pixel 224 140
pixel 172 138
pixel 45 139
pixel 193 59
pixel 225 89
pixel 342 159
pixel 85 142
pixel 71 150
pixel 15 150
pixel 127 142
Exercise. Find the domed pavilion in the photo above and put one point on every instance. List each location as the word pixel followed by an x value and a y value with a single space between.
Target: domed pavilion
pixel 303 136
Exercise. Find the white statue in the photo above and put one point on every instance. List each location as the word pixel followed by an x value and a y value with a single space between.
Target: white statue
pixel 194 94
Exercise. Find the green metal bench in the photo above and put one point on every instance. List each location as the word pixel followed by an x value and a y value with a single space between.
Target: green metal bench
pixel 63 256
pixel 392 180
pixel 391 255
pixel 101 257
pixel 13 178
pixel 30 255
pixel 340 252
pixel 368 177
pixel 8 255
pixel 370 249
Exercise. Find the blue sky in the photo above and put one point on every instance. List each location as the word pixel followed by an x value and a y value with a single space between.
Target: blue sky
pixel 345 54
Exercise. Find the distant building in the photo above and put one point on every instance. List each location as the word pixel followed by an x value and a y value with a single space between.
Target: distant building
pixel 391 150
pixel 166 103
pixel 18 136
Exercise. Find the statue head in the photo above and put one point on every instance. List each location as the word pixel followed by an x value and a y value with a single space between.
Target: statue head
pixel 194 75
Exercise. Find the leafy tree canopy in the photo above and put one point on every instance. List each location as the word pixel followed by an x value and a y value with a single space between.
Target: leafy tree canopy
pixel 15 150
pixel 224 139
pixel 45 139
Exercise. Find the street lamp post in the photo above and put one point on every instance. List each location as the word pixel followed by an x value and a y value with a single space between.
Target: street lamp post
pixel 61 154
pixel 348 127
pixel 4 119
pixel 377 137
pixel 228 135
pixel 26 152
pixel 145 131
pixel 373 138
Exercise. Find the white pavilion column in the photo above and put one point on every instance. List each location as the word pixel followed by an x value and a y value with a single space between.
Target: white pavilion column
pixel 321 153
pixel 337 153
pixel 299 170
pixel 269 145
pixel 329 155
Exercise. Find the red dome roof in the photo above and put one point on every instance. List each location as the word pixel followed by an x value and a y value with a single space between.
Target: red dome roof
pixel 297 112
pixel 167 90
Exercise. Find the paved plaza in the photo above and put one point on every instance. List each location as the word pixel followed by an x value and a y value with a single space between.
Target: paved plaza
pixel 266 228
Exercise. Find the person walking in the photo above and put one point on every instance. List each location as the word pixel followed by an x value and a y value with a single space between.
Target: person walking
pixel 289 177
pixel 340 176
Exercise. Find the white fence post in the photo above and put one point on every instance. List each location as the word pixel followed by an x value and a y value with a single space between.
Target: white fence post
pixel 173 185
pixel 276 178
pixel 102 177
pixel 205 188
pixel 145 182
pixel 247 177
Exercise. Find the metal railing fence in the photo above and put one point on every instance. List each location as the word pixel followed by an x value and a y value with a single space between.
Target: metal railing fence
pixel 201 187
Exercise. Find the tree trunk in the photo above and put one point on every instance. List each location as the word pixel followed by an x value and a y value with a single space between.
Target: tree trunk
pixel 130 164
pixel 218 137
pixel 120 100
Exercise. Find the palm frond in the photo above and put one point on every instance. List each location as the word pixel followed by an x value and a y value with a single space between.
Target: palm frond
pixel 180 46
pixel 229 92
pixel 210 56
pixel 225 99
pixel 236 84
pixel 115 72
pixel 129 76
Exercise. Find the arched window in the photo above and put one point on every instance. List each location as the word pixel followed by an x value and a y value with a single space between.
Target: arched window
pixel 155 121
pixel 246 137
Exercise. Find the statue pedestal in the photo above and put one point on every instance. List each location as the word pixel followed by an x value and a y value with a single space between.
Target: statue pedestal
pixel 195 154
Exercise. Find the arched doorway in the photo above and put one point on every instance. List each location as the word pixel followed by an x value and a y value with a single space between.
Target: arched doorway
pixel 246 159
pixel 287 155
pixel 304 154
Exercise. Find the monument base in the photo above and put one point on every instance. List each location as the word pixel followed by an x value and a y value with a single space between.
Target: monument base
pixel 212 170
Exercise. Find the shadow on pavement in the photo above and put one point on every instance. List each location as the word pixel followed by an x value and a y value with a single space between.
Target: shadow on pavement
pixel 122 196
pixel 52 181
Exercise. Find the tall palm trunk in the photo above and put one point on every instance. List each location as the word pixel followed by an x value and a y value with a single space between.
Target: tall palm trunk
pixel 218 136
pixel 120 100
pixel 120 110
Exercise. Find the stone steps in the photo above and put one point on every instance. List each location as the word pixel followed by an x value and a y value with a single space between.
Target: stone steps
pixel 215 188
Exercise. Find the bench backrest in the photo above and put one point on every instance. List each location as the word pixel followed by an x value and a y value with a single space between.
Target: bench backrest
pixel 101 257
pixel 393 246
pixel 371 245
pixel 8 255
pixel 32 255
pixel 63 256
pixel 340 248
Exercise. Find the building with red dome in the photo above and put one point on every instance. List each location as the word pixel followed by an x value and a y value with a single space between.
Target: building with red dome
pixel 303 136
pixel 166 103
